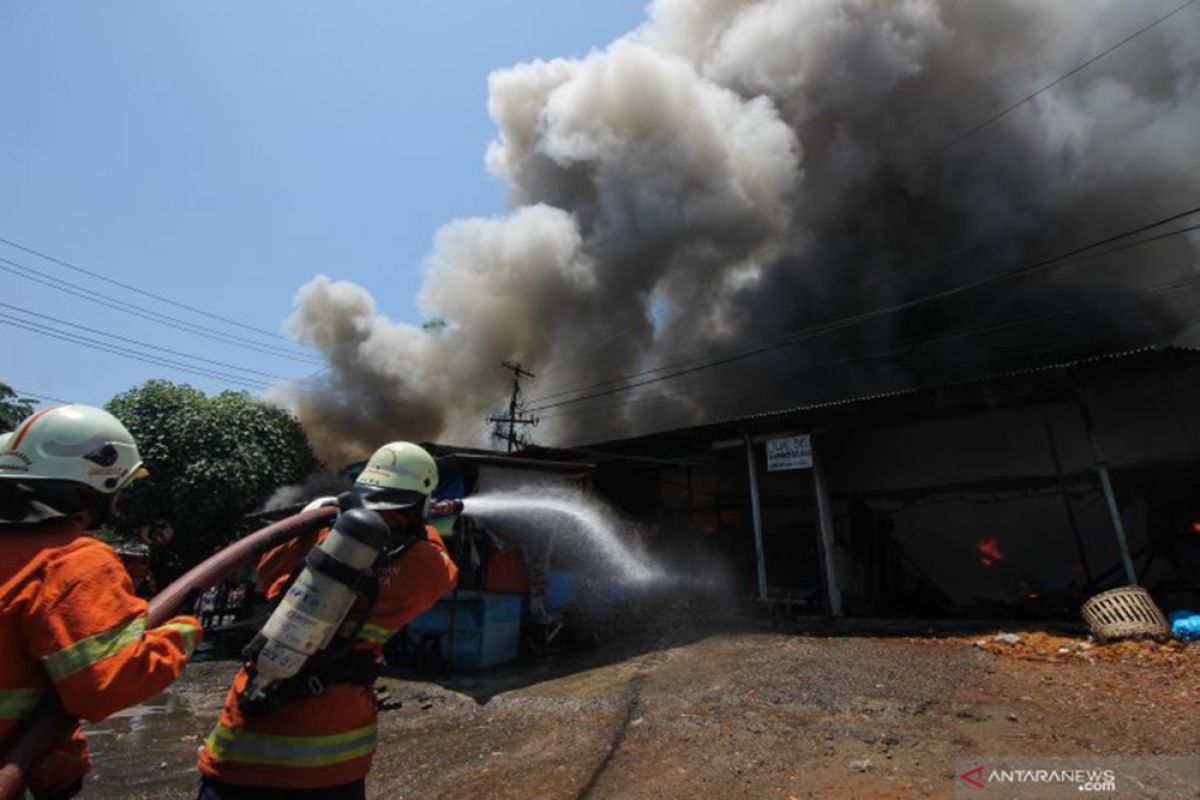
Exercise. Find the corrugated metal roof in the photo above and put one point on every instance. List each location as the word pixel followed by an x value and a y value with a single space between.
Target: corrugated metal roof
pixel 988 378
pixel 913 390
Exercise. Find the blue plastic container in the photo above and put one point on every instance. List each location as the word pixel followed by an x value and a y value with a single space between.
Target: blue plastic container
pixel 487 628
pixel 1185 625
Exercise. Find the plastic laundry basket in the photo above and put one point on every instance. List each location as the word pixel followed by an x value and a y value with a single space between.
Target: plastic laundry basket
pixel 1124 613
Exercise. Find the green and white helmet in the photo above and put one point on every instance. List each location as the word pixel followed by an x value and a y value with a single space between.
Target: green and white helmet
pixel 76 443
pixel 398 475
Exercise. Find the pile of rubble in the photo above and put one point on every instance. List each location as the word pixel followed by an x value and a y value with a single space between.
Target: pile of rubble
pixel 1037 646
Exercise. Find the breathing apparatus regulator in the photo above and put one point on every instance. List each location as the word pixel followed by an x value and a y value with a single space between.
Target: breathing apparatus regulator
pixel 292 654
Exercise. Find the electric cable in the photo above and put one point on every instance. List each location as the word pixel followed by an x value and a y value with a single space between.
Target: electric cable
pixel 16 322
pixel 23 393
pixel 139 343
pixel 1190 283
pixel 991 119
pixel 1008 109
pixel 845 322
pixel 788 338
pixel 998 115
pixel 148 314
pixel 143 292
pixel 895 275
pixel 903 347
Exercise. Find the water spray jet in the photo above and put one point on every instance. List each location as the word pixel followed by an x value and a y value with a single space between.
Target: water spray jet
pixel 569 514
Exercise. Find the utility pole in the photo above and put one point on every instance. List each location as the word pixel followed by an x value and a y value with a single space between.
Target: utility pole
pixel 513 419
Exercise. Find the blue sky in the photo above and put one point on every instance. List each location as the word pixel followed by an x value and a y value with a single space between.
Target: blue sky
pixel 222 153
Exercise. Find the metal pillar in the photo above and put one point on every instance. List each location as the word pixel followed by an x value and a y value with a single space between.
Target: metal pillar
pixel 757 515
pixel 825 526
pixel 1110 497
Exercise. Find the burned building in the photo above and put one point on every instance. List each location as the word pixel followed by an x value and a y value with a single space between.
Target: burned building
pixel 1013 495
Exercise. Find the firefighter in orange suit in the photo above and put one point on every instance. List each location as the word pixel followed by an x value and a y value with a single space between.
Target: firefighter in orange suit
pixel 70 623
pixel 313 735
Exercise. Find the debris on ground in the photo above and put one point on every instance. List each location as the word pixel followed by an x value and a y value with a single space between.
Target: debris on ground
pixel 1037 646
pixel 736 714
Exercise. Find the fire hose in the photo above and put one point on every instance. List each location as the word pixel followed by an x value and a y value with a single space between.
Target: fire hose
pixel 51 725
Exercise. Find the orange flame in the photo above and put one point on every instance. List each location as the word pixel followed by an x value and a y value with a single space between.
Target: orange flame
pixel 991 551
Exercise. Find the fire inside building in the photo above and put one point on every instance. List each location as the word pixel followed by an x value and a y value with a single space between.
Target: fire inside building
pixel 1017 495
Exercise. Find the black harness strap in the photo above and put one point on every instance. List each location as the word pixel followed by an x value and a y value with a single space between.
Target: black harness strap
pixel 320 561
pixel 340 662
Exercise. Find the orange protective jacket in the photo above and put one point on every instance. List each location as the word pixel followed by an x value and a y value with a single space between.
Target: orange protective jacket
pixel 71 624
pixel 326 740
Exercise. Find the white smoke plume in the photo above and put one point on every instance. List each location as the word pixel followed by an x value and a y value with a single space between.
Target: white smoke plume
pixel 734 170
pixel 323 483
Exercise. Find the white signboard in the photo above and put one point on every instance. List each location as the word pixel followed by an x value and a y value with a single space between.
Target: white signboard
pixel 794 452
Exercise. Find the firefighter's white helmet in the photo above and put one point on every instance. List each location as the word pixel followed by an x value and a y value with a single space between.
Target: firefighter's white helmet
pixel 398 475
pixel 76 443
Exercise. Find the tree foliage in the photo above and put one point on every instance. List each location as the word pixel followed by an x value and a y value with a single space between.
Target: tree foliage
pixel 13 408
pixel 212 460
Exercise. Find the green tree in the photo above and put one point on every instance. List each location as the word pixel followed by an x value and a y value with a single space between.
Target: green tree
pixel 212 460
pixel 13 408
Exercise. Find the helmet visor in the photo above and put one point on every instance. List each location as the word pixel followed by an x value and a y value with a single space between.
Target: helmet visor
pixel 380 498
pixel 135 474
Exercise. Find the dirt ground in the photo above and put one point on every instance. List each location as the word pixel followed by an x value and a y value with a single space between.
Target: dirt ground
pixel 749 712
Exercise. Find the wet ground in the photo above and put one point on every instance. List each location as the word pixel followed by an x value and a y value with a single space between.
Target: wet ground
pixel 744 713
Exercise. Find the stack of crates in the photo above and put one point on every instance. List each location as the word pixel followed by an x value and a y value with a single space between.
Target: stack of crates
pixel 487 628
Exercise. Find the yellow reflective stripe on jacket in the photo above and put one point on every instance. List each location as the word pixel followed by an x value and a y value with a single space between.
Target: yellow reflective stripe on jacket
pixel 86 652
pixel 188 632
pixel 372 634
pixel 242 747
pixel 20 703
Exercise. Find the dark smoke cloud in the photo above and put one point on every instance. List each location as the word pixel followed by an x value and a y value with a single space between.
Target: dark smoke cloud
pixel 732 171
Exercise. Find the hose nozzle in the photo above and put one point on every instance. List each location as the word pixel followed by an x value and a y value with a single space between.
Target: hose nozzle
pixel 445 508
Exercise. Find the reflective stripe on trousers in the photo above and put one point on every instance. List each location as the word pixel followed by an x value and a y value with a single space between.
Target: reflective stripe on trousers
pixel 370 634
pixel 243 747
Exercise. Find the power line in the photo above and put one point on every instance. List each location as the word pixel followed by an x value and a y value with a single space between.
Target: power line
pixel 148 358
pixel 701 355
pixel 143 292
pixel 140 343
pixel 966 134
pixel 824 299
pixel 74 289
pixel 855 319
pixel 23 393
pixel 160 361
pixel 787 338
pixel 1191 283
pixel 1005 111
